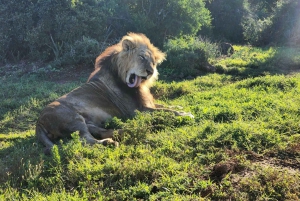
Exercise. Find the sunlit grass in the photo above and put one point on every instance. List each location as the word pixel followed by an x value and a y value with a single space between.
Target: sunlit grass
pixel 251 124
pixel 246 56
pixel 259 61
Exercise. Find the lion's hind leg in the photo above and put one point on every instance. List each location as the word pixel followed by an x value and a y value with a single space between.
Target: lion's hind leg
pixel 89 139
pixel 85 133
pixel 102 133
pixel 42 136
pixel 99 132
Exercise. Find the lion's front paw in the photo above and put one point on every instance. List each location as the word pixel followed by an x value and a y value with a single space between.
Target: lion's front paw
pixel 185 114
pixel 109 141
pixel 178 107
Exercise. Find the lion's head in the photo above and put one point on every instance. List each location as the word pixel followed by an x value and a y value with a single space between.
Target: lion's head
pixel 134 59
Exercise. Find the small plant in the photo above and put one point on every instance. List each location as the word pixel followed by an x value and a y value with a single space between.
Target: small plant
pixel 221 68
pixel 56 48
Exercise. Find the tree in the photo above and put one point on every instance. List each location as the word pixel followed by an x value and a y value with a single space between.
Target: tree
pixel 226 19
pixel 161 19
pixel 272 21
pixel 47 29
pixel 50 30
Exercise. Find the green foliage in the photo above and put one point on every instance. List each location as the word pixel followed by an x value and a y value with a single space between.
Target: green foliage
pixel 162 19
pixel 46 30
pixel 83 51
pixel 135 130
pixel 256 22
pixel 172 90
pixel 75 31
pixel 189 54
pixel 69 32
pixel 226 19
pixel 268 22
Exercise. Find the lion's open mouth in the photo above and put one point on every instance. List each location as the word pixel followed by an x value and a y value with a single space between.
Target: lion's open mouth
pixel 135 80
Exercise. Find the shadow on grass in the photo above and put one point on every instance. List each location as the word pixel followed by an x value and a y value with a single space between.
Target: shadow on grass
pixel 244 63
pixel 20 157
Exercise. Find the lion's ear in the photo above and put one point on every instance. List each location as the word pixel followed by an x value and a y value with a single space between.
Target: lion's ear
pixel 160 57
pixel 128 45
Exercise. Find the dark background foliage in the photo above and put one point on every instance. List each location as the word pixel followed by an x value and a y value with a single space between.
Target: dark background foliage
pixel 76 31
pixel 226 20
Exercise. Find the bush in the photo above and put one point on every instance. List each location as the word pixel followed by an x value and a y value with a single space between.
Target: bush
pixel 189 54
pixel 272 22
pixel 51 30
pixel 259 22
pixel 162 19
pixel 47 29
pixel 226 19
pixel 16 18
pixel 82 51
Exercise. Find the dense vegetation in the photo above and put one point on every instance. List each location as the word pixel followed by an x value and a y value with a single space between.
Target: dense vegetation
pixel 258 22
pixel 75 31
pixel 59 29
pixel 242 145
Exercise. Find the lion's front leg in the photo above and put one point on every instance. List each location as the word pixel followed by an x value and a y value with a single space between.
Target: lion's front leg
pixel 170 107
pixel 177 113
pixel 181 113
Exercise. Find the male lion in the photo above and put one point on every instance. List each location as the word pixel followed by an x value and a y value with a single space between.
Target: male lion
pixel 118 86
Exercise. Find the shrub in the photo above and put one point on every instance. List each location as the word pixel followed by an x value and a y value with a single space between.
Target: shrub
pixel 51 30
pixel 189 54
pixel 46 29
pixel 161 19
pixel 82 51
pixel 226 19
pixel 272 22
pixel 16 19
pixel 221 68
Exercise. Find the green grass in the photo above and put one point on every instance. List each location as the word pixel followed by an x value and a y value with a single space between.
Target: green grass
pixel 253 61
pixel 247 125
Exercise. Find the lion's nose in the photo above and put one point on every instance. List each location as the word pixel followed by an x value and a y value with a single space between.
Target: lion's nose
pixel 149 72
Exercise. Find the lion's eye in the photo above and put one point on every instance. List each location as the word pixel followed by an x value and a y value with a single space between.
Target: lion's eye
pixel 142 57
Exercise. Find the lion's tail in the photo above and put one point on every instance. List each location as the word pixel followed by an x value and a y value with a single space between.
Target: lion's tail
pixel 41 135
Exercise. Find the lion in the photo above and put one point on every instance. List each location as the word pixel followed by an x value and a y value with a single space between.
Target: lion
pixel 118 87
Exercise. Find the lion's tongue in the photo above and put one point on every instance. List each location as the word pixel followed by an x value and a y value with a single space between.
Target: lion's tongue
pixel 136 83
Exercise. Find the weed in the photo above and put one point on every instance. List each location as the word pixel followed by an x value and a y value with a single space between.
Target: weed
pixel 270 183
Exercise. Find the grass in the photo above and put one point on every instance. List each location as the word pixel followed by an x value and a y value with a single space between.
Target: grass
pixel 243 143
pixel 253 61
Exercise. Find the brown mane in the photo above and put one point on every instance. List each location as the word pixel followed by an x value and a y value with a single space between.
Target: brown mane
pixel 110 59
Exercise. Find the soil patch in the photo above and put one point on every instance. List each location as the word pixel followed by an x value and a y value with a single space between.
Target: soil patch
pixel 49 73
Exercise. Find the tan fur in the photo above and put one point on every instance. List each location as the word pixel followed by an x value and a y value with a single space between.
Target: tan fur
pixel 106 93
